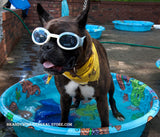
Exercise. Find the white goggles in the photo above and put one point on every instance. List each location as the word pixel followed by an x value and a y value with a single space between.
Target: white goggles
pixel 65 40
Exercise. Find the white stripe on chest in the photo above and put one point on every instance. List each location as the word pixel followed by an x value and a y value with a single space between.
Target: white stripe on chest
pixel 86 91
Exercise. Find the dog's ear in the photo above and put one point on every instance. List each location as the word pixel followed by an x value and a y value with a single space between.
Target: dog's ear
pixel 82 17
pixel 44 16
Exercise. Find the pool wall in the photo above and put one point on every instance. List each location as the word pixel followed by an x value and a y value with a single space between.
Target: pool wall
pixel 95 30
pixel 29 89
pixel 21 132
pixel 133 25
pixel 158 63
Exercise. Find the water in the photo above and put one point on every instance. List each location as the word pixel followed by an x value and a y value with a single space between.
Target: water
pixel 86 116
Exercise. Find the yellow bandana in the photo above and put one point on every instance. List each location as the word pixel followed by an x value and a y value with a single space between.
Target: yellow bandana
pixel 89 72
pixel 48 79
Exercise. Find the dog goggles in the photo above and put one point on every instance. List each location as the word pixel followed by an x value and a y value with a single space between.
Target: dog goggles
pixel 65 40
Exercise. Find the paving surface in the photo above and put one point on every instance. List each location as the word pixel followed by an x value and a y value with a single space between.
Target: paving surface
pixel 137 62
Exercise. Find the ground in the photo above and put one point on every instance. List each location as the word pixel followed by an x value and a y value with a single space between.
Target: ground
pixel 136 62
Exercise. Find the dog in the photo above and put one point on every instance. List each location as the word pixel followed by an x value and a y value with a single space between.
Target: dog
pixel 78 62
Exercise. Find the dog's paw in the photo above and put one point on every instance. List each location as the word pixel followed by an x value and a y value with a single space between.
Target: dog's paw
pixel 119 116
pixel 75 105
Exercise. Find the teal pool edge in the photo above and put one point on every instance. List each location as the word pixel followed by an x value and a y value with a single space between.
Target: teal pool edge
pixel 158 63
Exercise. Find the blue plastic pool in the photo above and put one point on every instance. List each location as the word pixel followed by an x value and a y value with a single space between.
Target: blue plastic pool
pixel 95 30
pixel 158 63
pixel 33 107
pixel 133 25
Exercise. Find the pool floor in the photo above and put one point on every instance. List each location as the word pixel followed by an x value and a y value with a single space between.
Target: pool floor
pixel 46 110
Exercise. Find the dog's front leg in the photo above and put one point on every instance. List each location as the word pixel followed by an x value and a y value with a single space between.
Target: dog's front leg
pixel 66 101
pixel 102 105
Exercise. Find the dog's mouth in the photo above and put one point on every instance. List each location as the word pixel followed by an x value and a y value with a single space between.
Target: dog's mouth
pixel 49 66
pixel 58 69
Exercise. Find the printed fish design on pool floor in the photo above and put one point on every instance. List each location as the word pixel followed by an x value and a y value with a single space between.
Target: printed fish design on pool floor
pixel 31 89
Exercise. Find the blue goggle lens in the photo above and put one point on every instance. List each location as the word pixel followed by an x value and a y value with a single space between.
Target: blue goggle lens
pixel 40 36
pixel 68 41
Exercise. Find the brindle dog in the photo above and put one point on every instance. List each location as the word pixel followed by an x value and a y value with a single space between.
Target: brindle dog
pixel 72 60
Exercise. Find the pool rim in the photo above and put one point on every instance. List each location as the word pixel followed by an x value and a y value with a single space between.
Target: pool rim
pixel 77 131
pixel 99 29
pixel 158 63
pixel 136 24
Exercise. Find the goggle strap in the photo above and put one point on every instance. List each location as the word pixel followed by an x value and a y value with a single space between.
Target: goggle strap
pixel 82 40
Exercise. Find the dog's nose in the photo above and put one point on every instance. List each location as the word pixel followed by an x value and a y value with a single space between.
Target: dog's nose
pixel 47 47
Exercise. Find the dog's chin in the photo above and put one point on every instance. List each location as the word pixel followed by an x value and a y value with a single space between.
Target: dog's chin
pixel 54 71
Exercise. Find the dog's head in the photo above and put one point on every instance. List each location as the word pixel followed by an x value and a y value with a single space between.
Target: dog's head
pixel 54 58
